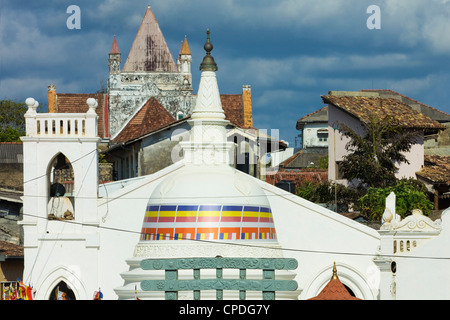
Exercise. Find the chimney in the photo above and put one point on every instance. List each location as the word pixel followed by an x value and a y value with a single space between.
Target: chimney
pixel 247 99
pixel 51 98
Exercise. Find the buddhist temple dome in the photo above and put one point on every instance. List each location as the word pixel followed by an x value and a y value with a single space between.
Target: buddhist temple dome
pixel 211 203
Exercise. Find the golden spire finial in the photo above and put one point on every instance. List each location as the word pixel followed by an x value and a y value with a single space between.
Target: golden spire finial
pixel 335 276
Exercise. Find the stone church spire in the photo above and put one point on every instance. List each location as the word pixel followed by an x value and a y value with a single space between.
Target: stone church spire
pixel 149 51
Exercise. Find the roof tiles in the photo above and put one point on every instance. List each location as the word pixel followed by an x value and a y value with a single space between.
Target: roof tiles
pixel 363 108
pixel 150 117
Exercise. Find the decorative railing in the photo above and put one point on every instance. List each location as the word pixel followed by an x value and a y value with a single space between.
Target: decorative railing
pixel 171 285
pixel 55 125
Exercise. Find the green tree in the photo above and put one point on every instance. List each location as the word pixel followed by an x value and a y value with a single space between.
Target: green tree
pixel 12 121
pixel 373 156
pixel 410 194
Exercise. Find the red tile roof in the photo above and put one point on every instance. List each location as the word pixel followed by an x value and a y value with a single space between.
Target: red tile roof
pixel 150 117
pixel 334 290
pixel 233 106
pixel 76 103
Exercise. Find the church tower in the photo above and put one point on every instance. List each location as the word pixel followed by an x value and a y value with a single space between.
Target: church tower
pixel 149 71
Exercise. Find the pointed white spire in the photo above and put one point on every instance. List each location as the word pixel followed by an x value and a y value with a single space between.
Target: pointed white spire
pixel 208 143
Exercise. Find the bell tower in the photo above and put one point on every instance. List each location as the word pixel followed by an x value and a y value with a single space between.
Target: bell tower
pixel 60 216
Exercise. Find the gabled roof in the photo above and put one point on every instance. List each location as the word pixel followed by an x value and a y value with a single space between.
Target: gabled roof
pixel 149 51
pixel 334 290
pixel 363 107
pixel 150 117
pixel 436 169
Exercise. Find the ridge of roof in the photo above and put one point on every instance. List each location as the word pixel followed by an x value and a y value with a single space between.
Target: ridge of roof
pixel 362 107
pixel 149 51
pixel 312 115
pixel 406 97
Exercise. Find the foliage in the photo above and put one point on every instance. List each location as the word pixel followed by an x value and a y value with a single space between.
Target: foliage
pixel 410 194
pixel 12 121
pixel 323 162
pixel 11 135
pixel 324 192
pixel 372 157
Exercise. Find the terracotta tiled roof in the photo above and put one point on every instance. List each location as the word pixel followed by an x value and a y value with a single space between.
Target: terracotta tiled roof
pixel 150 117
pixel 10 249
pixel 334 290
pixel 433 113
pixel 233 106
pixel 364 107
pixel 76 103
pixel 436 169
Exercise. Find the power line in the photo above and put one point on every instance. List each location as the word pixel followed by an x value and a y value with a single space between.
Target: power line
pixel 217 242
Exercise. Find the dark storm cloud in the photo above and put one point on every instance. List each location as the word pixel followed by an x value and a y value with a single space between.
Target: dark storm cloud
pixel 289 51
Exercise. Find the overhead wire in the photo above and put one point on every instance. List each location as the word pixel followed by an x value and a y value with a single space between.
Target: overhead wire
pixel 217 242
pixel 204 240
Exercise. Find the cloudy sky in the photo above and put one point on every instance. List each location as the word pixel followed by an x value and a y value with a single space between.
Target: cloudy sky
pixel 290 51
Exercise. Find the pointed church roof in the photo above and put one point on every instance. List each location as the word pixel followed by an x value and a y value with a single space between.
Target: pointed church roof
pixel 114 47
pixel 184 50
pixel 334 290
pixel 150 117
pixel 149 51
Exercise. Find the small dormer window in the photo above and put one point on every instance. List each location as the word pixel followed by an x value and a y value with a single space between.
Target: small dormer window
pixel 180 115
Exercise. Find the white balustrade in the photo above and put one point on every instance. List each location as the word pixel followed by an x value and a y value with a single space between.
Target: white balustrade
pixel 57 125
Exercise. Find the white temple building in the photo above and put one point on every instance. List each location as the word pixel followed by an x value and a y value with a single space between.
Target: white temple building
pixel 202 207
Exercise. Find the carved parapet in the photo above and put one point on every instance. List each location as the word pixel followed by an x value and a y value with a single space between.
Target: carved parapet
pixel 416 222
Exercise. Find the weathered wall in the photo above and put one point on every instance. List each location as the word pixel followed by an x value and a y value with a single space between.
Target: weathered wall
pixel 129 91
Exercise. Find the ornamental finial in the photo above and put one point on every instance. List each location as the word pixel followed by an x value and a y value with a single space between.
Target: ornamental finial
pixel 208 63
pixel 335 276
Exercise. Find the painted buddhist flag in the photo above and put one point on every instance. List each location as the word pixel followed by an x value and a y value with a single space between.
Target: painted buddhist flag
pixel 187 213
pixel 250 214
pixel 151 214
pixel 231 214
pixel 167 214
pixel 209 213
pixel 266 215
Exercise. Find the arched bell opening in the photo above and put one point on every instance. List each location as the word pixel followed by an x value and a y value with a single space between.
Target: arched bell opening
pixel 61 185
